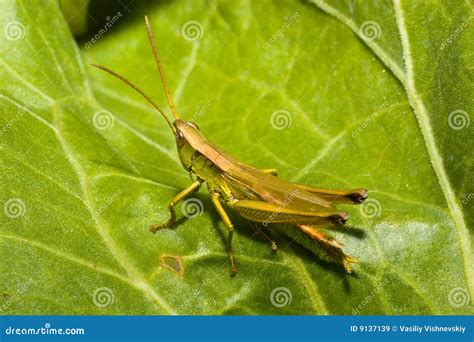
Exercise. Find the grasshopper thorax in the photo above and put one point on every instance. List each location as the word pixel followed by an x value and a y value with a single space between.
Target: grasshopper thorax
pixel 188 138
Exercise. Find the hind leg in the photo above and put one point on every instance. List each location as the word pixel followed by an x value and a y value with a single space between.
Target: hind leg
pixel 330 244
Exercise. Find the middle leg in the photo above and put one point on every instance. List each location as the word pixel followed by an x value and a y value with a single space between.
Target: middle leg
pixel 261 231
pixel 230 231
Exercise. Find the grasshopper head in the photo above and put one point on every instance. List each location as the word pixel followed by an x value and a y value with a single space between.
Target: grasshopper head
pixel 188 138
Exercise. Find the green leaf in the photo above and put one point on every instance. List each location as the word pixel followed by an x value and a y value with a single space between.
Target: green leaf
pixel 87 165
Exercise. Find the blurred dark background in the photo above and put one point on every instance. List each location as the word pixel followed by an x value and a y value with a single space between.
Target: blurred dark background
pixel 86 18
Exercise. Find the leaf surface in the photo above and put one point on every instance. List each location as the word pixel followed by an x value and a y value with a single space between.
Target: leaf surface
pixel 89 165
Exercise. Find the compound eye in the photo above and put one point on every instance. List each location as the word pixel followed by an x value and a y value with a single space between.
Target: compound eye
pixel 192 124
pixel 180 138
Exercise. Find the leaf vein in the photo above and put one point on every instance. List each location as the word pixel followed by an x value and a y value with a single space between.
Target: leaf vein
pixel 436 158
pixel 120 256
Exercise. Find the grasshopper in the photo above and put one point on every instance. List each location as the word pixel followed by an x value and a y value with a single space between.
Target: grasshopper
pixel 257 195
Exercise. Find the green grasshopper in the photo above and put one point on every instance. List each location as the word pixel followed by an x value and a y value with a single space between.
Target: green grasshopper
pixel 257 195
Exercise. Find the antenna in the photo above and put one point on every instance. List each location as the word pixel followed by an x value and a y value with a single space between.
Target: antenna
pixel 138 90
pixel 160 68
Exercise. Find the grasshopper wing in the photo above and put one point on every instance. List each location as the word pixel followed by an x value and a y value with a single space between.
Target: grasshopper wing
pixel 284 194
